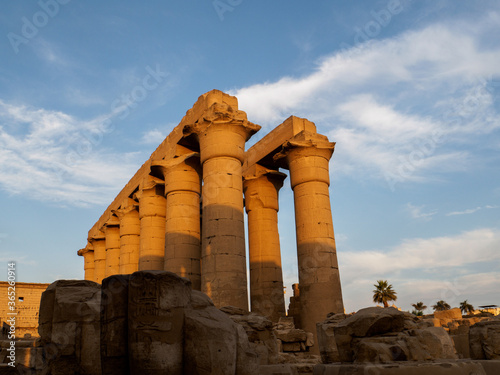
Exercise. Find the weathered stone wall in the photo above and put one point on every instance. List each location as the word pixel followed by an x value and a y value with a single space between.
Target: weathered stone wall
pixel 27 305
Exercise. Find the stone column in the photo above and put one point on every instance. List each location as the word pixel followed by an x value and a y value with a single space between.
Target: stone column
pixel 152 208
pixel 112 232
pixel 222 133
pixel 307 156
pixel 99 245
pixel 182 226
pixel 88 258
pixel 130 230
pixel 261 188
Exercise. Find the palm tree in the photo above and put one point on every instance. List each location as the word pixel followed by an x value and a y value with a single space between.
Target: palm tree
pixel 466 307
pixel 419 308
pixel 383 293
pixel 440 306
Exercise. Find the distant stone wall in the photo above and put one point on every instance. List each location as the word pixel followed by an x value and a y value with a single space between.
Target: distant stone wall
pixel 27 306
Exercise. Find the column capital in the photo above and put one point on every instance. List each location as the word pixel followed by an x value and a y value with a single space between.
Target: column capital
pixel 181 173
pixel 147 184
pixel 261 186
pixel 221 114
pixel 100 236
pixel 306 144
pixel 86 249
pixel 126 207
pixel 222 132
pixel 307 156
pixel 112 222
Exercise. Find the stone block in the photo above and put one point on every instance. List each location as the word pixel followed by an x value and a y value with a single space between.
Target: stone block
pixel 156 304
pixel 71 342
pixel 114 325
pixel 484 340
pixel 366 322
pixel 291 335
pixel 210 342
pixel 446 316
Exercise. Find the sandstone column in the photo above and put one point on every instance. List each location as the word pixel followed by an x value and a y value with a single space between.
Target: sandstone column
pixel 307 156
pixel 222 132
pixel 88 258
pixel 99 245
pixel 182 227
pixel 152 215
pixel 261 188
pixel 112 232
pixel 130 230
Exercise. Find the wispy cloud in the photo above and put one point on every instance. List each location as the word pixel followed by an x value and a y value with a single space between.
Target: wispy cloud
pixel 417 212
pixel 429 269
pixel 155 136
pixel 398 107
pixel 427 254
pixel 52 156
pixel 470 210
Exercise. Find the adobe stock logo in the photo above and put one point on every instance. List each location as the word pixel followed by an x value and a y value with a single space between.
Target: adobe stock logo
pixel 40 19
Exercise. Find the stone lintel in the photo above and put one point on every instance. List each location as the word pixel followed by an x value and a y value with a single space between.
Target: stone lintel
pixel 263 151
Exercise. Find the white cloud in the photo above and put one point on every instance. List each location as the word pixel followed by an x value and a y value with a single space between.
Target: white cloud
pixel 429 254
pixel 51 156
pixel 155 137
pixel 397 108
pixel 425 269
pixel 417 212
pixel 470 210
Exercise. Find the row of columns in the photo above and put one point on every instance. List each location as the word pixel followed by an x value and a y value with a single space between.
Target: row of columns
pixel 160 228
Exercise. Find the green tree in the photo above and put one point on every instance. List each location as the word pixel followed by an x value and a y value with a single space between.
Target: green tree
pixel 419 308
pixel 441 306
pixel 383 293
pixel 466 307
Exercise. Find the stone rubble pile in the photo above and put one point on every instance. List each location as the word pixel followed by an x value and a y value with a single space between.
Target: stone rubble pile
pixel 388 341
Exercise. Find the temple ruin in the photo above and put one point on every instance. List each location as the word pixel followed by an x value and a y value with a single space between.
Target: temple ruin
pixel 183 211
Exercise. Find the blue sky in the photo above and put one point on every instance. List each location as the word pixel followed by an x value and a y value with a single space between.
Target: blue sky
pixel 410 91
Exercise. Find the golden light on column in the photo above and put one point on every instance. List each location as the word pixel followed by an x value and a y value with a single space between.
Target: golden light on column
pixel 308 155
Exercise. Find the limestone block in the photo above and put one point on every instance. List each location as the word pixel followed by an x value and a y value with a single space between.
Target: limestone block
pixel 370 351
pixel 326 338
pixel 71 341
pixel 259 330
pixel 461 343
pixel 285 323
pixel 485 340
pixel 366 322
pixel 446 316
pixel 292 335
pixel 210 342
pixel 114 325
pixel 491 367
pixel 156 306
pixel 292 347
pixel 437 342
